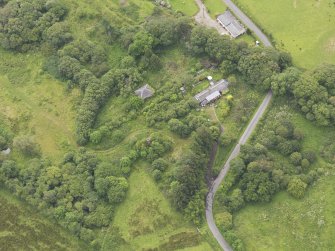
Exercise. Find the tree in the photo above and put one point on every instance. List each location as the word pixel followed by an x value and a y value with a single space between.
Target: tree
pixel 9 170
pixel 142 43
pixel 296 158
pixel 117 189
pixel 235 201
pixel 257 186
pixel 179 128
pixel 296 188
pixel 159 164
pixel 224 221
pixel 3 143
pixel 195 208
pixel 58 35
pixel 257 67
pixel 282 83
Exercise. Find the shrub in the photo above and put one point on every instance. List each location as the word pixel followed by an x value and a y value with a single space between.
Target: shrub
pixel 224 221
pixel 27 145
pixel 296 188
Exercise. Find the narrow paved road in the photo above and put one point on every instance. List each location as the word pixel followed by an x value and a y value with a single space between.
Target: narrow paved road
pixel 245 136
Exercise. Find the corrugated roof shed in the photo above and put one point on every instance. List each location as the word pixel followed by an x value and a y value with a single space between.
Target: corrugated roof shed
pixel 144 92
pixel 219 87
pixel 231 24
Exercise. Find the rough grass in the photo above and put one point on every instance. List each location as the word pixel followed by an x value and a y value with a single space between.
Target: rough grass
pixel 21 228
pixel 304 28
pixel 147 220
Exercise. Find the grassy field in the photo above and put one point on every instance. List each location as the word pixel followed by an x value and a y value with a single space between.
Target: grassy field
pixel 304 28
pixel 289 224
pixel 215 7
pixel 188 7
pixel 21 228
pixel 147 220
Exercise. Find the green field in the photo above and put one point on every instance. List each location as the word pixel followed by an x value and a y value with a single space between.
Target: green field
pixel 304 28
pixel 22 228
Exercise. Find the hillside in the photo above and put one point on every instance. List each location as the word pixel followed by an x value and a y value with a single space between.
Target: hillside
pixel 100 131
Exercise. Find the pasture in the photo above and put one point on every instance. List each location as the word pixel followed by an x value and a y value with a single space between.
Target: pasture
pixel 303 28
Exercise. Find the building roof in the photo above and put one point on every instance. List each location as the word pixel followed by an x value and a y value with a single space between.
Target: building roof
pixel 213 96
pixel 219 87
pixel 6 152
pixel 145 92
pixel 229 21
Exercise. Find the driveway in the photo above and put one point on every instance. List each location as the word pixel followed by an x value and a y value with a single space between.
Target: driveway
pixel 203 18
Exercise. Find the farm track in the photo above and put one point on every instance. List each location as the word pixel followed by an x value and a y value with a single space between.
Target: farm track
pixel 200 17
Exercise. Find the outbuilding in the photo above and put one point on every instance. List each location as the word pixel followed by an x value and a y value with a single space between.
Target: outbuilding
pixel 145 92
pixel 231 24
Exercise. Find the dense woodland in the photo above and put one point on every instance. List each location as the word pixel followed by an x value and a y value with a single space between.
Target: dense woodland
pixel 81 191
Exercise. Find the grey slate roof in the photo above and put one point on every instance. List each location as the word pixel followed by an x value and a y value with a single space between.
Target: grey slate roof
pixel 6 152
pixel 206 96
pixel 144 92
pixel 231 24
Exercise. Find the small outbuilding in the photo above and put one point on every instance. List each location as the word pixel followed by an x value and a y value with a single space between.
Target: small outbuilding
pixel 145 92
pixel 231 24
pixel 6 152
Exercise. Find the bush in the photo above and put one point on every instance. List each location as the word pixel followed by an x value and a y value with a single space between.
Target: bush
pixel 296 158
pixel 224 221
pixel 296 188
pixel 27 145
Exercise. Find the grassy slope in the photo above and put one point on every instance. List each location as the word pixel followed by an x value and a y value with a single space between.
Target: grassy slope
pixel 36 103
pixel 145 234
pixel 290 224
pixel 304 28
pixel 25 89
pixel 21 228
